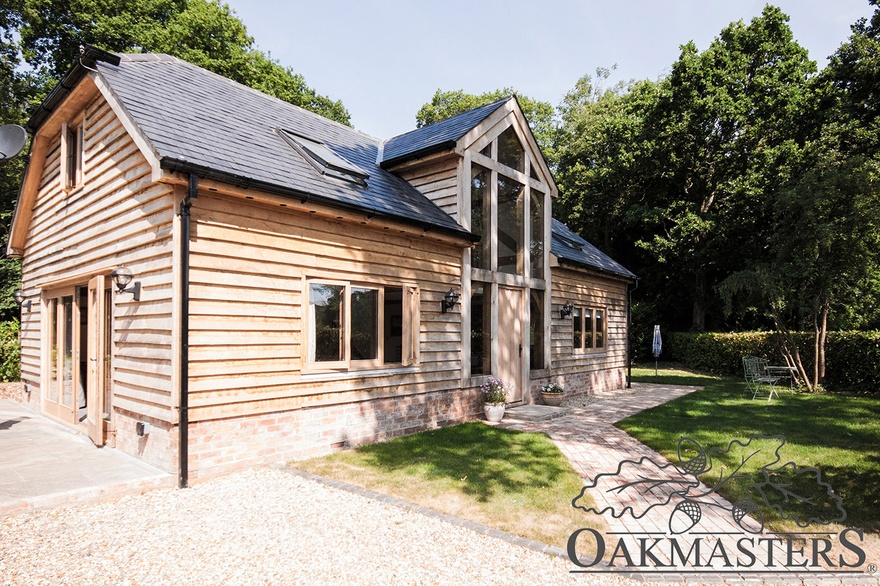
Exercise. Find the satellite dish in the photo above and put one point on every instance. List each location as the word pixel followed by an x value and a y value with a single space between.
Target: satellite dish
pixel 12 139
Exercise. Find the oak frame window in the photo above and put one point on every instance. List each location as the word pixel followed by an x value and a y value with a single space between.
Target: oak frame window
pixel 72 155
pixel 589 329
pixel 353 326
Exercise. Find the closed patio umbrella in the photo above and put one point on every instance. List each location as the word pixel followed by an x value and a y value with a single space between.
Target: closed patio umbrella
pixel 657 347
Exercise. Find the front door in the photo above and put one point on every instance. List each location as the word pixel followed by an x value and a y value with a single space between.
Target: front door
pixel 97 360
pixel 510 340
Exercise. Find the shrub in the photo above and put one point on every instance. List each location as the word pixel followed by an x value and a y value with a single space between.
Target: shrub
pixel 10 351
pixel 852 359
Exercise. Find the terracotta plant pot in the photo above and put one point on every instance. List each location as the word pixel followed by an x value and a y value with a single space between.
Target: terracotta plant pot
pixel 494 411
pixel 552 399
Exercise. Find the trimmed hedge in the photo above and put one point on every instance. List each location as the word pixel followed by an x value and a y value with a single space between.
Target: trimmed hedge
pixel 10 351
pixel 852 359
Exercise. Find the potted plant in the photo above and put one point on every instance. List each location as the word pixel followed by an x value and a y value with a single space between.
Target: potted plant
pixel 495 393
pixel 552 394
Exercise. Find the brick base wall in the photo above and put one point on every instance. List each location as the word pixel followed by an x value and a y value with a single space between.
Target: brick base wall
pixel 582 382
pixel 220 446
pixel 159 448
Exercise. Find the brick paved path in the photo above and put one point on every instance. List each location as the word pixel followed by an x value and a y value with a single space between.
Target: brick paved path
pixel 594 446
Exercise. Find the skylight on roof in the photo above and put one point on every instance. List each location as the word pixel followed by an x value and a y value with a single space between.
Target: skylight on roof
pixel 324 160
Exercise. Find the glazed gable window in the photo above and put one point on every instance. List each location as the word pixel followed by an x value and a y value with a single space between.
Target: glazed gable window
pixel 588 329
pixel 72 155
pixel 352 326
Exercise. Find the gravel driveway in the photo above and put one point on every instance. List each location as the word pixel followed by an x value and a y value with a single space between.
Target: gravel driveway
pixel 261 527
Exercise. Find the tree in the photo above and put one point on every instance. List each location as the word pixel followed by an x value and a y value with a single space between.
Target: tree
pixel 540 115
pixel 605 155
pixel 822 255
pixel 203 32
pixel 729 131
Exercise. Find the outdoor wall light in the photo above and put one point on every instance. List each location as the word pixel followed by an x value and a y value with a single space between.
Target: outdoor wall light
pixel 122 276
pixel 449 300
pixel 566 310
pixel 19 298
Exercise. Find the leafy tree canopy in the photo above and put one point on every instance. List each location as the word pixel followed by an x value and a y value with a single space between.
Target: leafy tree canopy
pixel 203 32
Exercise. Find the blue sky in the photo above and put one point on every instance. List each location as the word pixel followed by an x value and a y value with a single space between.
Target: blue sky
pixel 384 59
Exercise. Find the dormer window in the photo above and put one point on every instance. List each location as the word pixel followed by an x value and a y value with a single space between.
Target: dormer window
pixel 72 155
pixel 324 160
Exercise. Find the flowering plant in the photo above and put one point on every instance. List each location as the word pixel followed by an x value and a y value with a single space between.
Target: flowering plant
pixel 554 388
pixel 495 390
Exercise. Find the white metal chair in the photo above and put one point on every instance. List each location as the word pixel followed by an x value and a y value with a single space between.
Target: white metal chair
pixel 756 375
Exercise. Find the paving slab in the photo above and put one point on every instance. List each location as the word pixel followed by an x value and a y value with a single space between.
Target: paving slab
pixel 45 464
pixel 535 412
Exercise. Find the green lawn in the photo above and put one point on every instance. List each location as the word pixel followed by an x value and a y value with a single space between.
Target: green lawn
pixel 838 434
pixel 513 481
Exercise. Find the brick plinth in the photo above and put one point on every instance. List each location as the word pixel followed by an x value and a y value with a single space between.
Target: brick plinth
pixel 223 445
pixel 585 382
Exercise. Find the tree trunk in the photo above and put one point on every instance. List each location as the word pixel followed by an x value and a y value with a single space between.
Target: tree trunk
pixel 820 342
pixel 698 321
pixel 790 351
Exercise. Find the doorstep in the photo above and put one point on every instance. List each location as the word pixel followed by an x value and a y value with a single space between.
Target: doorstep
pixel 535 412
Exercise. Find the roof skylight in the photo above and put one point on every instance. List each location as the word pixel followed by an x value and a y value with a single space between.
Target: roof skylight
pixel 324 160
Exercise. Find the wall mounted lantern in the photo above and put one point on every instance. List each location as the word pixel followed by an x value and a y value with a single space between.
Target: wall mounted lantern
pixel 566 310
pixel 449 300
pixel 122 276
pixel 19 298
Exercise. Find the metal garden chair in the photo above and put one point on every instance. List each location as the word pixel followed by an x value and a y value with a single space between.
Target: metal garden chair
pixel 756 375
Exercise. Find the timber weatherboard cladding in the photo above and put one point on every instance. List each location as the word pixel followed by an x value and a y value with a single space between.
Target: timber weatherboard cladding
pixel 249 266
pixel 119 216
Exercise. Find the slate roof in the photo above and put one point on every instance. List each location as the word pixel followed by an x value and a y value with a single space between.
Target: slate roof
pixel 204 122
pixel 568 246
pixel 438 136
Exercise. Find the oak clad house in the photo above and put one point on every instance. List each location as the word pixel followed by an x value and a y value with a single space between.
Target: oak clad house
pixel 289 274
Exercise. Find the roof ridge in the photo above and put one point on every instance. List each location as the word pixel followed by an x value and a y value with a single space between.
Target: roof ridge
pixel 495 103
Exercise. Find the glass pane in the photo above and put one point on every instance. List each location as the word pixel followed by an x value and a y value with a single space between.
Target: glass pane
pixel 67 365
pixel 536 250
pixel 83 360
pixel 108 354
pixel 53 351
pixel 510 151
pixel 481 319
pixel 326 323
pixel 536 330
pixel 588 328
pixel 364 324
pixel 510 225
pixel 487 150
pixel 600 328
pixel 532 173
pixel 480 214
pixel 393 325
pixel 578 324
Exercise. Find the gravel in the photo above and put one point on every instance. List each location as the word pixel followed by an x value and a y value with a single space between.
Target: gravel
pixel 261 526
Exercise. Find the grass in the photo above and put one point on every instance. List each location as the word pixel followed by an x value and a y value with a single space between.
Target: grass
pixel 838 434
pixel 513 481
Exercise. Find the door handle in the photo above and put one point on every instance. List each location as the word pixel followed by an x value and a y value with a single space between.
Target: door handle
pixel 520 349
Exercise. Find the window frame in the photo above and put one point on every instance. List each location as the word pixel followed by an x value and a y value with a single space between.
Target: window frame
pixel 410 325
pixel 75 128
pixel 590 331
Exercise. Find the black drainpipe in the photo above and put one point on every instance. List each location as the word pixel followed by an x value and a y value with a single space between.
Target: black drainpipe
pixel 185 205
pixel 629 361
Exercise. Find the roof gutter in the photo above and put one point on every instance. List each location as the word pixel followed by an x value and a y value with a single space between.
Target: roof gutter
pixel 181 166
pixel 628 277
pixel 89 56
